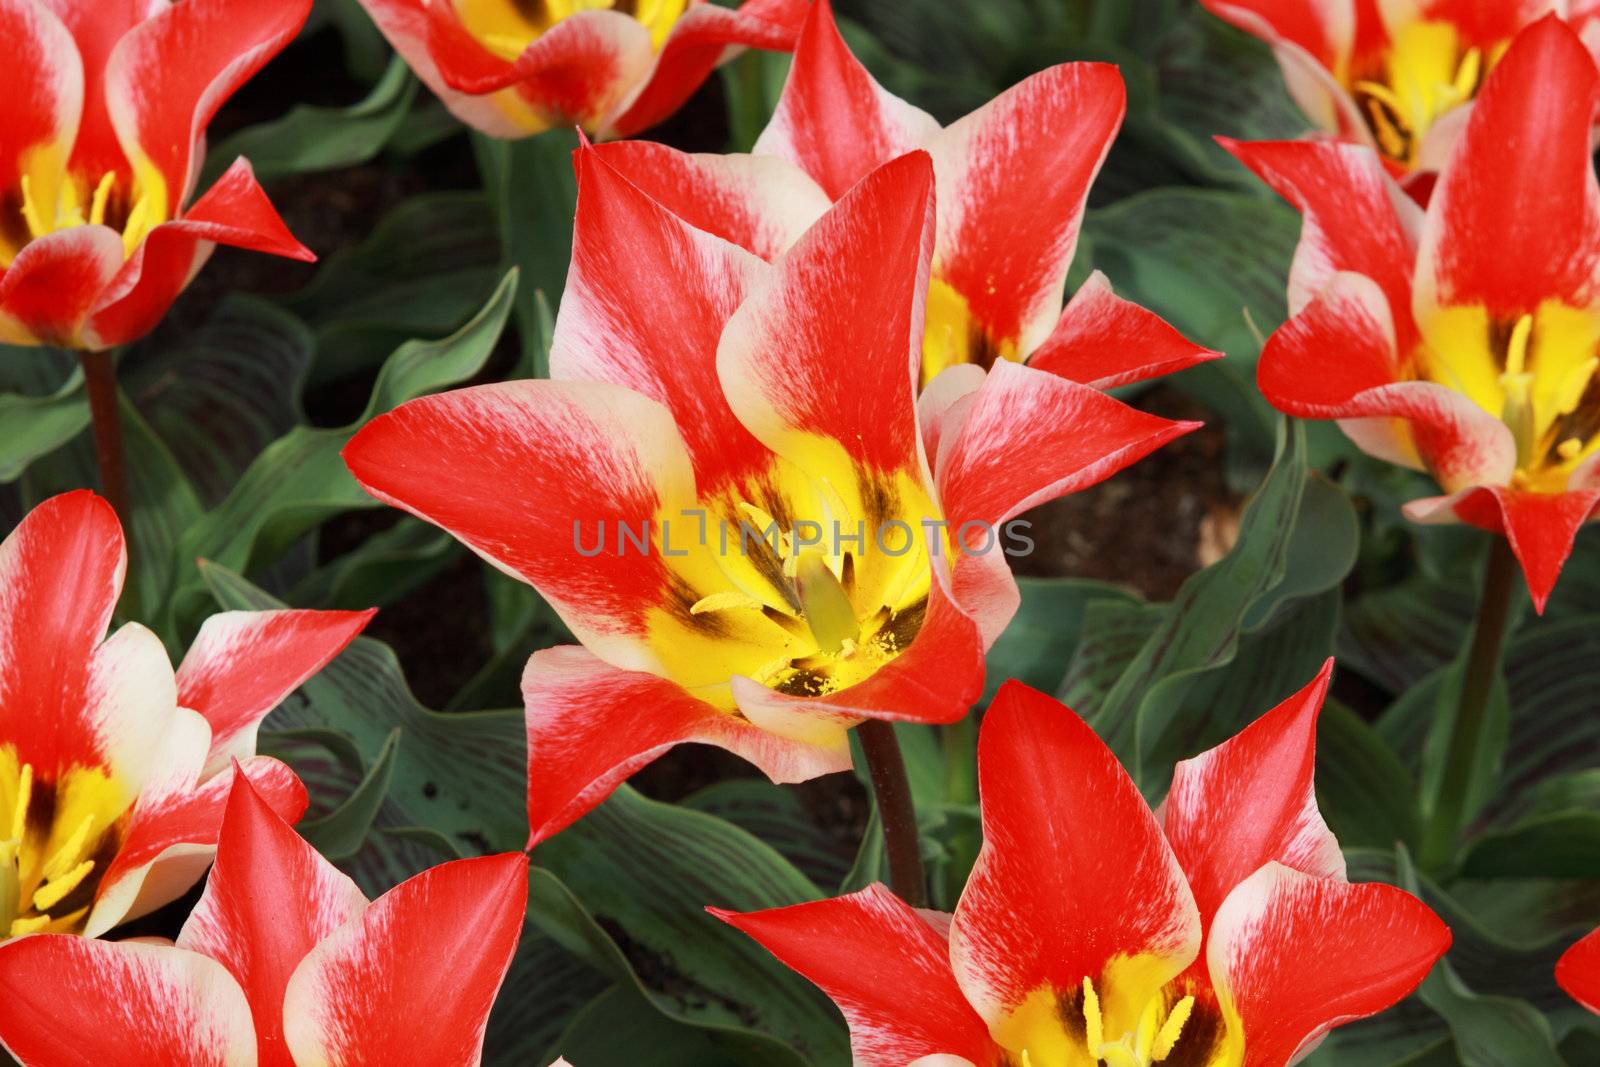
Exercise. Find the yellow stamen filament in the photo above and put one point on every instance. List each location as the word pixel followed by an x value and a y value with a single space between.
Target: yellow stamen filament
pixel 1569 448
pixel 1094 1026
pixel 19 927
pixel 1151 1041
pixel 45 210
pixel 19 814
pixel 54 891
pixel 102 194
pixel 723 601
pixel 65 857
pixel 1172 1029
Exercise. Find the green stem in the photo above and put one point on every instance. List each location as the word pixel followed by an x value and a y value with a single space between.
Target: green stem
pixel 892 787
pixel 1472 713
pixel 100 378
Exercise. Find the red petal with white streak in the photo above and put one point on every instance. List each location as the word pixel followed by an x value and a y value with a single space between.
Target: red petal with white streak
pixel 521 471
pixel 590 726
pixel 268 902
pixel 1578 972
pixel 235 211
pixel 760 203
pixel 646 301
pixel 411 980
pixel 72 1001
pixel 1013 179
pixel 1105 341
pixel 1515 218
pixel 845 305
pixel 167 76
pixel 41 85
pixel 1074 870
pixel 1030 436
pixel 885 967
pixel 61 571
pixel 243 663
pixel 1252 800
pixel 833 120
pixel 96 27
pixel 1297 955
pixel 54 284
pixel 1322 27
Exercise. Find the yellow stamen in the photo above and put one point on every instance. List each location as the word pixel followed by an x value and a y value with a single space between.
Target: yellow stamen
pixel 53 892
pixel 1467 74
pixel 1172 1029
pixel 28 926
pixel 63 859
pixel 19 814
pixel 1517 349
pixel 722 602
pixel 1574 385
pixel 30 210
pixel 102 194
pixel 1093 1024
pixel 1569 448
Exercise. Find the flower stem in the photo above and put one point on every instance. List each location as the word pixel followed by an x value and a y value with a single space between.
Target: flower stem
pixel 1472 713
pixel 896 811
pixel 100 376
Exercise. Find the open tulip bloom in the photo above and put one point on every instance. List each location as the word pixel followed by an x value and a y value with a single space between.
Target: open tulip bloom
pixel 103 110
pixel 1012 180
pixel 512 68
pixel 1398 75
pixel 114 771
pixel 1217 931
pixel 1461 341
pixel 283 963
pixel 729 493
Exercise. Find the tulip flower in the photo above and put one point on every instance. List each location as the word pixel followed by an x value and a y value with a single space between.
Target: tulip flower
pixel 512 68
pixel 1578 972
pixel 1012 178
pixel 102 129
pixel 730 496
pixel 1219 930
pixel 114 770
pixel 283 963
pixel 1461 341
pixel 1397 75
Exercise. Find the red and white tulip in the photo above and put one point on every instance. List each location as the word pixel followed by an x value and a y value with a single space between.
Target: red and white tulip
pixel 1399 76
pixel 114 770
pixel 1217 931
pixel 614 67
pixel 1461 340
pixel 703 397
pixel 1012 181
pixel 103 112
pixel 283 963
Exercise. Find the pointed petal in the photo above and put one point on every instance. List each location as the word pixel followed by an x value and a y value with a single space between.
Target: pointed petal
pixel 168 76
pixel 41 93
pixel 1074 871
pixel 885 967
pixel 1292 956
pixel 1527 143
pixel 1029 437
pixel 590 726
pixel 234 211
pixel 646 300
pixel 1578 972
pixel 1013 179
pixel 55 283
pixel 523 472
pixel 124 1005
pixel 833 120
pixel 760 203
pixel 845 304
pixel 1252 800
pixel 360 999
pixel 268 902
pixel 1105 341
pixel 242 664
pixel 1322 28
pixel 172 837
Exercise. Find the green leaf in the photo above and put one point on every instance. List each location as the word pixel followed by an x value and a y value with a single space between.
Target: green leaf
pixel 1038 643
pixel 1366 794
pixel 776 815
pixel 339 834
pixel 36 425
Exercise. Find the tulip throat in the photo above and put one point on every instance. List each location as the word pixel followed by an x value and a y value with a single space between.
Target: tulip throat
pixel 49 198
pixel 953 335
pixel 507 27
pixel 55 840
pixel 1426 72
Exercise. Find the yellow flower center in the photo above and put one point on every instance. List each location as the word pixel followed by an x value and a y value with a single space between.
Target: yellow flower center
pixel 1535 372
pixel 1425 73
pixel 508 27
pixel 55 838
pixel 952 335
pixel 48 198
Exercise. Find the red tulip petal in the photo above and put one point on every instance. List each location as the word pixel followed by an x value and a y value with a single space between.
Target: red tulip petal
pixel 95 27
pixel 411 980
pixel 1578 972
pixel 76 1000
pixel 833 120
pixel 1251 800
pixel 1013 179
pixel 1295 955
pixel 41 89
pixel 845 304
pixel 1515 218
pixel 54 284
pixel 268 902
pixel 760 203
pixel 1074 869
pixel 524 471
pixel 590 726
pixel 1322 28
pixel 885 967
pixel 1105 341
pixel 242 664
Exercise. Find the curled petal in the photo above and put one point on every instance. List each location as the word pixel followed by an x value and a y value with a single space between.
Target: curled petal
pixel 54 284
